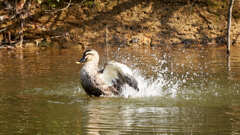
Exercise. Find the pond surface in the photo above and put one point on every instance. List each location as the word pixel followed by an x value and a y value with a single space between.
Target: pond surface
pixel 183 91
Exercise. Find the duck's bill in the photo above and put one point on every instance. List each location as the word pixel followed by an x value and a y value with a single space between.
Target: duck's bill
pixel 82 60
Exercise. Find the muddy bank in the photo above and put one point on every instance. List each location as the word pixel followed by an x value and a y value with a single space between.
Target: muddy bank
pixel 134 23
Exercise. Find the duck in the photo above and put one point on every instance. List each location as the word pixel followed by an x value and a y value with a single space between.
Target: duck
pixel 108 81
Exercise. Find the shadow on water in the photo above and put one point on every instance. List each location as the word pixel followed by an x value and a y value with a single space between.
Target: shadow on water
pixel 183 91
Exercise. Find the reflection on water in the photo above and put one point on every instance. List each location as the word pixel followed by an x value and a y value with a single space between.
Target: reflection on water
pixel 183 91
pixel 133 119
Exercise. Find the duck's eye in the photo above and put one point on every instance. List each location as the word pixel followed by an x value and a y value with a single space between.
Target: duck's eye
pixel 89 55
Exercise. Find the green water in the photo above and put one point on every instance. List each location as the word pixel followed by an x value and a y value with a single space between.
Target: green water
pixel 187 91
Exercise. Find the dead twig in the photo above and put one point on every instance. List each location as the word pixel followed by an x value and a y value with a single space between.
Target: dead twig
pixel 3 29
pixel 55 11
pixel 229 26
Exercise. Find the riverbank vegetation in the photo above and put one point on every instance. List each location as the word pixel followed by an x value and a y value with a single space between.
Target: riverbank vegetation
pixel 116 22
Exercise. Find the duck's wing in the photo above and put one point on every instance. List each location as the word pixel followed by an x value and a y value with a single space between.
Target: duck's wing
pixel 117 74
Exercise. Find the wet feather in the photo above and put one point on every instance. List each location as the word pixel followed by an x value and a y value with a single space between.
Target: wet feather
pixel 108 81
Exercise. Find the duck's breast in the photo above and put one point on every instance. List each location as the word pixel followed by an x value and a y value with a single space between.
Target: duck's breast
pixel 89 83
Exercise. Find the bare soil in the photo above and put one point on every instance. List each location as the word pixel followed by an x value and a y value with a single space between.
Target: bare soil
pixel 134 23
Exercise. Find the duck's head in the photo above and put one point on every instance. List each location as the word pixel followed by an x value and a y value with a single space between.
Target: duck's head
pixel 89 56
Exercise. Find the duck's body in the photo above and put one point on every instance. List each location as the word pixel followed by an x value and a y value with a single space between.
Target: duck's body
pixel 108 81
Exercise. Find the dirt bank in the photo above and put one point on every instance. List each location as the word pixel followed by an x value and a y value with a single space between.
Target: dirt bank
pixel 136 23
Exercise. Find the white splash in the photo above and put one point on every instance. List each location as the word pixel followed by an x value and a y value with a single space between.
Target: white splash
pixel 150 87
